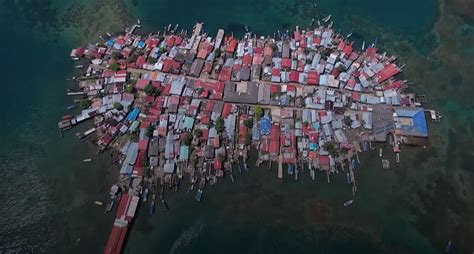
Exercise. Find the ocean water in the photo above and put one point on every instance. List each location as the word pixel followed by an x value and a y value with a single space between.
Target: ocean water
pixel 48 193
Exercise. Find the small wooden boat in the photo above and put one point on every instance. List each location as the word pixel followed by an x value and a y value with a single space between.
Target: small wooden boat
pixel 98 203
pixel 87 160
pixel 72 106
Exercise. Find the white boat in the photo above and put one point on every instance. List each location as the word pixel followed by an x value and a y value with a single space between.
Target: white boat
pixel 326 19
pixel 348 203
pixel 363 45
pixel 98 203
pixel 87 160
pixel 398 157
pixel 380 152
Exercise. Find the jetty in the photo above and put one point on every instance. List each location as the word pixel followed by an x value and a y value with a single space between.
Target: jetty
pixel 171 107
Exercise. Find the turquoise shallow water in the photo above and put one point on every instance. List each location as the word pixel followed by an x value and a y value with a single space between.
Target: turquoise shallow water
pixel 47 202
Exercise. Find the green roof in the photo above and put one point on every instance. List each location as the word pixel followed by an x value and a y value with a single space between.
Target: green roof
pixel 184 153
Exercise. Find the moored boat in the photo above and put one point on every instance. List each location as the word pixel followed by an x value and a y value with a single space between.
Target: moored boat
pixel 68 117
pixel 72 106
pixel 198 196
pixel 380 152
pixel 152 207
pixel 145 195
pixel 348 203
pixel 109 206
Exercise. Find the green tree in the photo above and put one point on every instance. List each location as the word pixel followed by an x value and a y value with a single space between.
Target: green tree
pixel 162 50
pixel 150 90
pixel 149 130
pixel 85 103
pixel 114 66
pixel 248 138
pixel 116 55
pixel 347 121
pixel 219 125
pixel 217 53
pixel 129 88
pixel 145 161
pixel 188 138
pixel 151 60
pixel 258 112
pixel 198 133
pixel 118 106
pixel 248 123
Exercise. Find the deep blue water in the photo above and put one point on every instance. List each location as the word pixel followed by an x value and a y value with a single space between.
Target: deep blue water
pixel 48 194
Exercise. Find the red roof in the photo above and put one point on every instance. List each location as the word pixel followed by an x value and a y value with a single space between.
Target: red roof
pixel 285 63
pixel 116 240
pixel 394 85
pixel 371 52
pixel 313 78
pixel 265 145
pixel 247 60
pixel 294 76
pixel 143 144
pixel 274 147
pixel 217 164
pixel 276 72
pixel 224 75
pixel 226 110
pixel 140 61
pixel 297 35
pixel 291 88
pixel 275 133
pixel 347 50
pixel 275 88
pixel 80 52
pixel 141 83
pixel 317 41
pixel 231 46
pixel 387 72
pixel 324 160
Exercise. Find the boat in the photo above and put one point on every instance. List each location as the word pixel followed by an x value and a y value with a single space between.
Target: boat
pixel 312 174
pixel 145 195
pixel 314 5
pixel 326 19
pixel 98 203
pixel 109 206
pixel 79 66
pixel 330 25
pixel 72 106
pixel 397 157
pixel 348 177
pixel 290 170
pixel 363 45
pixel 449 246
pixel 152 207
pixel 68 117
pixel 349 35
pixel 198 196
pixel 75 58
pixel 138 21
pixel 165 205
pixel 87 160
pixel 380 152
pixel 348 203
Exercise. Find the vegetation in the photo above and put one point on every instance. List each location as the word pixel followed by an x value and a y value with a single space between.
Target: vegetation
pixel 199 90
pixel 85 103
pixel 341 68
pixel 151 60
pixel 132 59
pixel 258 112
pixel 221 157
pixel 114 66
pixel 149 131
pixel 129 88
pixel 162 50
pixel 347 121
pixel 248 138
pixel 145 161
pixel 332 149
pixel 248 123
pixel 217 53
pixel 219 125
pixel 150 90
pixel 116 55
pixel 306 51
pixel 118 106
pixel 198 133
pixel 188 138
pixel 274 47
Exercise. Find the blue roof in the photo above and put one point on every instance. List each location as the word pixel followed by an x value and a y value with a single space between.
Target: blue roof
pixel 265 125
pixel 419 127
pixel 141 44
pixel 110 42
pixel 132 116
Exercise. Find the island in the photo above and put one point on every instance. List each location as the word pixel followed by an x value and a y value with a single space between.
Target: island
pixel 170 106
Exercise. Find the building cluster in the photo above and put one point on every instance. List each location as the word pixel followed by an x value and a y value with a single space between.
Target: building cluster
pixel 172 104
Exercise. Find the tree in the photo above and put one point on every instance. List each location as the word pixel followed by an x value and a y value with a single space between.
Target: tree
pixel 341 68
pixel 162 50
pixel 331 148
pixel 347 121
pixel 219 125
pixel 114 66
pixel 306 51
pixel 198 133
pixel 188 138
pixel 145 161
pixel 85 103
pixel 151 60
pixel 116 55
pixel 258 112
pixel 217 53
pixel 118 106
pixel 199 90
pixel 248 123
pixel 129 88
pixel 248 138
pixel 150 90
pixel 149 131
pixel 274 47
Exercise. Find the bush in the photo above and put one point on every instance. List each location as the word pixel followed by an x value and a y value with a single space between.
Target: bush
pixel 188 138
pixel 85 103
pixel 258 112
pixel 219 125
pixel 118 106
pixel 198 133
pixel 129 88
pixel 248 123
pixel 149 131
pixel 150 90
pixel 114 66
pixel 116 55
